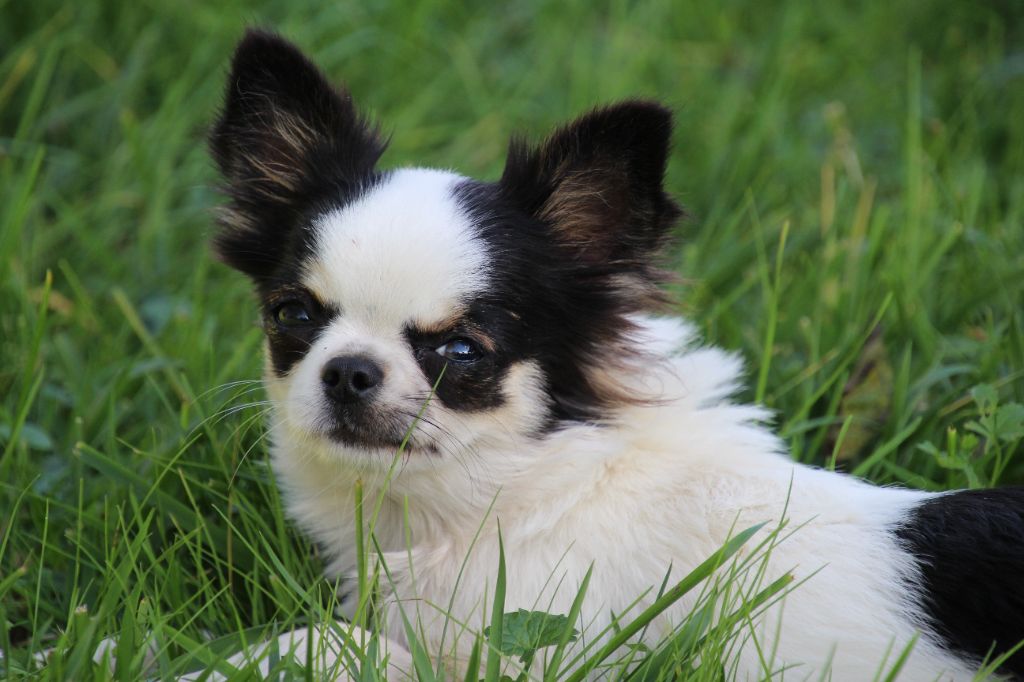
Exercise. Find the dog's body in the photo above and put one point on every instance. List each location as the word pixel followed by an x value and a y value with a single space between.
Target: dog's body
pixel 505 330
pixel 635 499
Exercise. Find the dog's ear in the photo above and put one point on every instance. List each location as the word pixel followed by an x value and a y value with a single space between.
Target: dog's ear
pixel 597 183
pixel 285 140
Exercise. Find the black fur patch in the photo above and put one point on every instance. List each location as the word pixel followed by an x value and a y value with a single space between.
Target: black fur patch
pixel 469 386
pixel 289 344
pixel 290 147
pixel 574 226
pixel 597 183
pixel 970 548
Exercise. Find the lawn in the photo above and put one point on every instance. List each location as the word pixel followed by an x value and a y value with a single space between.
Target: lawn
pixel 854 175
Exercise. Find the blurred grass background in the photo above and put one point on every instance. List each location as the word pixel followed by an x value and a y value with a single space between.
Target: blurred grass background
pixel 854 171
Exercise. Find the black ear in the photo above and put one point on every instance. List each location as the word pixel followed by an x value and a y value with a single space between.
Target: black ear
pixel 285 141
pixel 598 183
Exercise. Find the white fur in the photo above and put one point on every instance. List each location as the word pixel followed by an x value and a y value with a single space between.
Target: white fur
pixel 663 486
pixel 404 252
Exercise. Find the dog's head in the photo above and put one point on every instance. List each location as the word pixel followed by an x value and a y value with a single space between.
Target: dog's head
pixel 481 312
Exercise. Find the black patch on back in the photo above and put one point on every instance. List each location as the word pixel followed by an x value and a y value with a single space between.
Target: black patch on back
pixel 970 549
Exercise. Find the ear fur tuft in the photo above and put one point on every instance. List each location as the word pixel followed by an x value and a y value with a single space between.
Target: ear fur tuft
pixel 597 182
pixel 285 140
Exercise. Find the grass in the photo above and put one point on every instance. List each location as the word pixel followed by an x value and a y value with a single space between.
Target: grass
pixel 855 176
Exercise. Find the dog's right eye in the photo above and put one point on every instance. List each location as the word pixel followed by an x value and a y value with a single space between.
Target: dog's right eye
pixel 459 350
pixel 292 314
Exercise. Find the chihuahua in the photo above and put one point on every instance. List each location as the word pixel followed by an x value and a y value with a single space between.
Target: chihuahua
pixel 489 363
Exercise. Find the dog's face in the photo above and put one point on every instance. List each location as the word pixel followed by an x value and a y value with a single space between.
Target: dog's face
pixel 482 313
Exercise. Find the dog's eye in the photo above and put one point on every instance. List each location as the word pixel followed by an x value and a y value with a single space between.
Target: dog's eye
pixel 459 350
pixel 292 314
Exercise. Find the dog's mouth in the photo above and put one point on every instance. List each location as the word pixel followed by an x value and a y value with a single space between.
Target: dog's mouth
pixel 382 435
pixel 357 438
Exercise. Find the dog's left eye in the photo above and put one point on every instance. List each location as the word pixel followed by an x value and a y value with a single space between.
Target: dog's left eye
pixel 459 350
pixel 292 314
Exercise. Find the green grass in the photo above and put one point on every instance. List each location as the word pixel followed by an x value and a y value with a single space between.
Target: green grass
pixel 855 176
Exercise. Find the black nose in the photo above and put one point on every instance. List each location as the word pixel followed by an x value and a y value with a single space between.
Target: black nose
pixel 351 378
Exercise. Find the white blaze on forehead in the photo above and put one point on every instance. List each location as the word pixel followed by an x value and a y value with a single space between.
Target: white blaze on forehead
pixel 404 252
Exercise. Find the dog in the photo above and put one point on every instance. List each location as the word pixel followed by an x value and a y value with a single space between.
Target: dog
pixel 489 361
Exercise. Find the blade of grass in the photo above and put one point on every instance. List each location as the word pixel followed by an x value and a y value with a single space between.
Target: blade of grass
pixel 694 578
pixel 492 672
